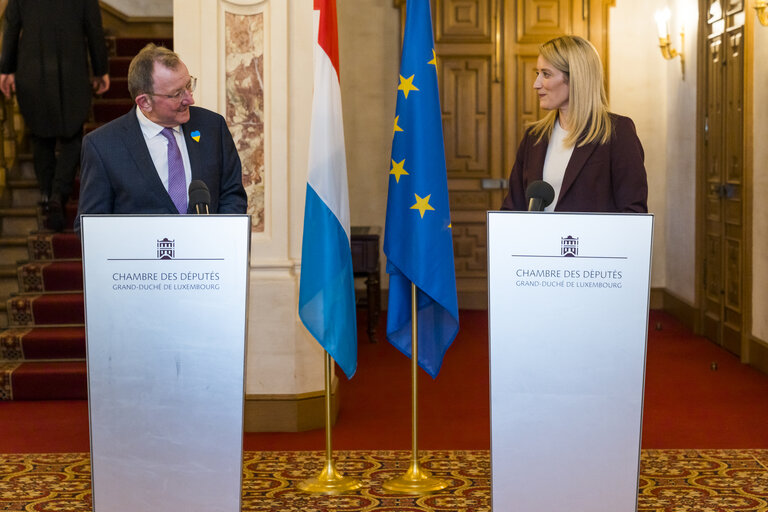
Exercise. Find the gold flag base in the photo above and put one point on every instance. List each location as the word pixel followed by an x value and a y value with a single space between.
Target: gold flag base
pixel 329 481
pixel 415 481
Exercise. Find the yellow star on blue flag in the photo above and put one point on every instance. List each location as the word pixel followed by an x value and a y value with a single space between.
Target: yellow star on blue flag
pixel 422 204
pixel 406 85
pixel 417 238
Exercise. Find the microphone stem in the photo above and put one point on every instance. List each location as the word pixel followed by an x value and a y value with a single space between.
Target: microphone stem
pixel 534 204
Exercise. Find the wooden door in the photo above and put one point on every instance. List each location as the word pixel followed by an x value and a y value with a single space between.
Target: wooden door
pixel 486 52
pixel 723 156
pixel 467 39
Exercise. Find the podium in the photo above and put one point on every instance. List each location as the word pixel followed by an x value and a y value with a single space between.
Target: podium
pixel 568 321
pixel 166 303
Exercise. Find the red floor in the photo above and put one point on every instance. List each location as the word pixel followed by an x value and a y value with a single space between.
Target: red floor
pixel 688 404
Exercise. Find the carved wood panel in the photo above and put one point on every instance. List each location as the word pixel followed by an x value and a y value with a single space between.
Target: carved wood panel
pixel 734 98
pixel 540 20
pixel 733 177
pixel 714 112
pixel 470 249
pixel 732 318
pixel 470 98
pixel 723 154
pixel 733 268
pixel 733 6
pixel 465 100
pixel 713 288
pixel 462 20
pixel 713 307
pixel 470 200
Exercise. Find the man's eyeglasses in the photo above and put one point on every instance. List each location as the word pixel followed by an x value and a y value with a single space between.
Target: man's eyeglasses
pixel 190 88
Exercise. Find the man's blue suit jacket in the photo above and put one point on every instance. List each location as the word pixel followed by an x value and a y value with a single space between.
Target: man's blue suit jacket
pixel 117 174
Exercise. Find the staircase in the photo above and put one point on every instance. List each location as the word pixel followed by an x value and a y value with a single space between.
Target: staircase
pixel 42 347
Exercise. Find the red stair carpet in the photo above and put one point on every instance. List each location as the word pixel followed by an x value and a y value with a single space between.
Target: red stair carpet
pixel 42 353
pixel 688 405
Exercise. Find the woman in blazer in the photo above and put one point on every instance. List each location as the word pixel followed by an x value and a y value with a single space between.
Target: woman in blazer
pixel 592 158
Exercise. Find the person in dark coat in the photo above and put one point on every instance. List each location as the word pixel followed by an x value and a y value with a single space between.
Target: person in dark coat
pixel 46 45
pixel 592 157
pixel 144 161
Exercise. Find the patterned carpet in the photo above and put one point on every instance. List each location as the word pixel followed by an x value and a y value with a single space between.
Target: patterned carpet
pixel 670 481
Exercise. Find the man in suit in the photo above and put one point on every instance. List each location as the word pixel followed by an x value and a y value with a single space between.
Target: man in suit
pixel 144 161
pixel 46 44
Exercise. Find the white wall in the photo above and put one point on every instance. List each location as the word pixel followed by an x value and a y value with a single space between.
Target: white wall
pixel 760 189
pixel 638 89
pixel 680 247
pixel 369 55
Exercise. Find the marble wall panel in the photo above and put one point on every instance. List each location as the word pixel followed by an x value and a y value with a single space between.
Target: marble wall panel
pixel 244 58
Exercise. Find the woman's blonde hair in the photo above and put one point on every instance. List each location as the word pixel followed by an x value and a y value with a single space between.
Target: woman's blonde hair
pixel 588 118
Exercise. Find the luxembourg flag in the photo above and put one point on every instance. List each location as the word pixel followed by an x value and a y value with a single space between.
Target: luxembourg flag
pixel 327 289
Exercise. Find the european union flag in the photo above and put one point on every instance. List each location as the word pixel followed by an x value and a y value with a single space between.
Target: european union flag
pixel 417 238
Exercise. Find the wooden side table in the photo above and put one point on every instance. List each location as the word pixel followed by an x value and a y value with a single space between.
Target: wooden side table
pixel 365 263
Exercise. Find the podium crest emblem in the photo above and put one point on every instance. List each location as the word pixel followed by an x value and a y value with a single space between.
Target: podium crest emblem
pixel 166 249
pixel 569 246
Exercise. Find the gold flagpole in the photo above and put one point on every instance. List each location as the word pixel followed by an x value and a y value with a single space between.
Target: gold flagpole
pixel 329 481
pixel 416 480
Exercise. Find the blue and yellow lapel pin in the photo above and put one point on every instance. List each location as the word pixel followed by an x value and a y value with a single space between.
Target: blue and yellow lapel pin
pixel 195 135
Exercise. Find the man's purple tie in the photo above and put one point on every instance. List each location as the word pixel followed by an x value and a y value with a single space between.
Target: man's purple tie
pixel 177 181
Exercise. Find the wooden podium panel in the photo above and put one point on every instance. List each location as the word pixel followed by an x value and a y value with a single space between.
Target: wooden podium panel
pixel 568 317
pixel 165 300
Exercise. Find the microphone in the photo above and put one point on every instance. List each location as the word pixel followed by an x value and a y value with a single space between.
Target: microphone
pixel 199 196
pixel 539 195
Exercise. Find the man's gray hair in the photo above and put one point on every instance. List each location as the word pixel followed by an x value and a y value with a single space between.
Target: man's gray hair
pixel 142 65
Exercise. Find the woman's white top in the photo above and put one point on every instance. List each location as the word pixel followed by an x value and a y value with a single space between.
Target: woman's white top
pixel 556 161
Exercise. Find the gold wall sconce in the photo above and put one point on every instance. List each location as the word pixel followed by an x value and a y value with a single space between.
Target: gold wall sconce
pixel 761 8
pixel 662 17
